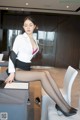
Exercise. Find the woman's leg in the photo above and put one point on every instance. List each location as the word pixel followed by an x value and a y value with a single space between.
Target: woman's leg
pixel 54 85
pixel 46 84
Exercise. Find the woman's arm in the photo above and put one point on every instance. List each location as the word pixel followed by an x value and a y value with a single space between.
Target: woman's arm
pixel 10 78
pixel 12 61
pixel 13 55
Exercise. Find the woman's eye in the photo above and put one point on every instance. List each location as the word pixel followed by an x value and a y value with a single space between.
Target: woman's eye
pixel 28 25
pixel 31 25
pixel 25 26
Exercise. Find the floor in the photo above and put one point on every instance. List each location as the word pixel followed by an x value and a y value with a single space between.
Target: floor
pixel 35 90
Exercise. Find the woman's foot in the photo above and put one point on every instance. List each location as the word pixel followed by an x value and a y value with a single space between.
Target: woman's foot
pixel 73 110
pixel 67 114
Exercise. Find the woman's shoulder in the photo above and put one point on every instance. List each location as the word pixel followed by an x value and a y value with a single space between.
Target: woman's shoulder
pixel 18 39
pixel 19 36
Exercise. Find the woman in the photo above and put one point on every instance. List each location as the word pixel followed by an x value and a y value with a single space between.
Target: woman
pixel 24 48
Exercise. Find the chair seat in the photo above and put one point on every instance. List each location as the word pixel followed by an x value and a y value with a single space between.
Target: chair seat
pixel 50 113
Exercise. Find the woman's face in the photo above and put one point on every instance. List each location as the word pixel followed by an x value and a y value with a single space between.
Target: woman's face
pixel 29 27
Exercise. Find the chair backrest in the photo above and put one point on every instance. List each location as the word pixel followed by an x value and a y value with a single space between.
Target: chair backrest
pixel 69 78
pixel 1 57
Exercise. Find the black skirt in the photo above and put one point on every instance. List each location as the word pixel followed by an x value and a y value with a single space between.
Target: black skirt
pixel 23 65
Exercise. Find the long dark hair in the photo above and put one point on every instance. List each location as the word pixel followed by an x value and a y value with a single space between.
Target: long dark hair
pixel 31 19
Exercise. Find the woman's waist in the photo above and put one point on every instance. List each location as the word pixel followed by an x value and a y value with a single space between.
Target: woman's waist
pixel 23 65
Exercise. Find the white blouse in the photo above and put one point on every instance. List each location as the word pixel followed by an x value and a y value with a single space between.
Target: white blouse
pixel 23 49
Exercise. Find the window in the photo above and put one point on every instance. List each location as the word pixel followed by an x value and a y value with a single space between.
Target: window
pixel 46 41
pixel 11 37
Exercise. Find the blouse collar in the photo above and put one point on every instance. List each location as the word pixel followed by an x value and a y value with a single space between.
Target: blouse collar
pixel 25 35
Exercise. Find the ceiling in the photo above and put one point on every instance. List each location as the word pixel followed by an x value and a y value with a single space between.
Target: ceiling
pixel 47 6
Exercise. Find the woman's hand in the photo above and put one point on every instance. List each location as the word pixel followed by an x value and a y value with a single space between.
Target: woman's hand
pixel 10 78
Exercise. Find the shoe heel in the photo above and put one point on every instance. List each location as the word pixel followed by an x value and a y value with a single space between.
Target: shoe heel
pixel 67 114
pixel 58 111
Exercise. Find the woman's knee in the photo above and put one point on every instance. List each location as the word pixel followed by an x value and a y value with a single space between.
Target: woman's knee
pixel 43 75
pixel 46 72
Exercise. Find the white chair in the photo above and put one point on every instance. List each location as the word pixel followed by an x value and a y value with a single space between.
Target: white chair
pixel 69 78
